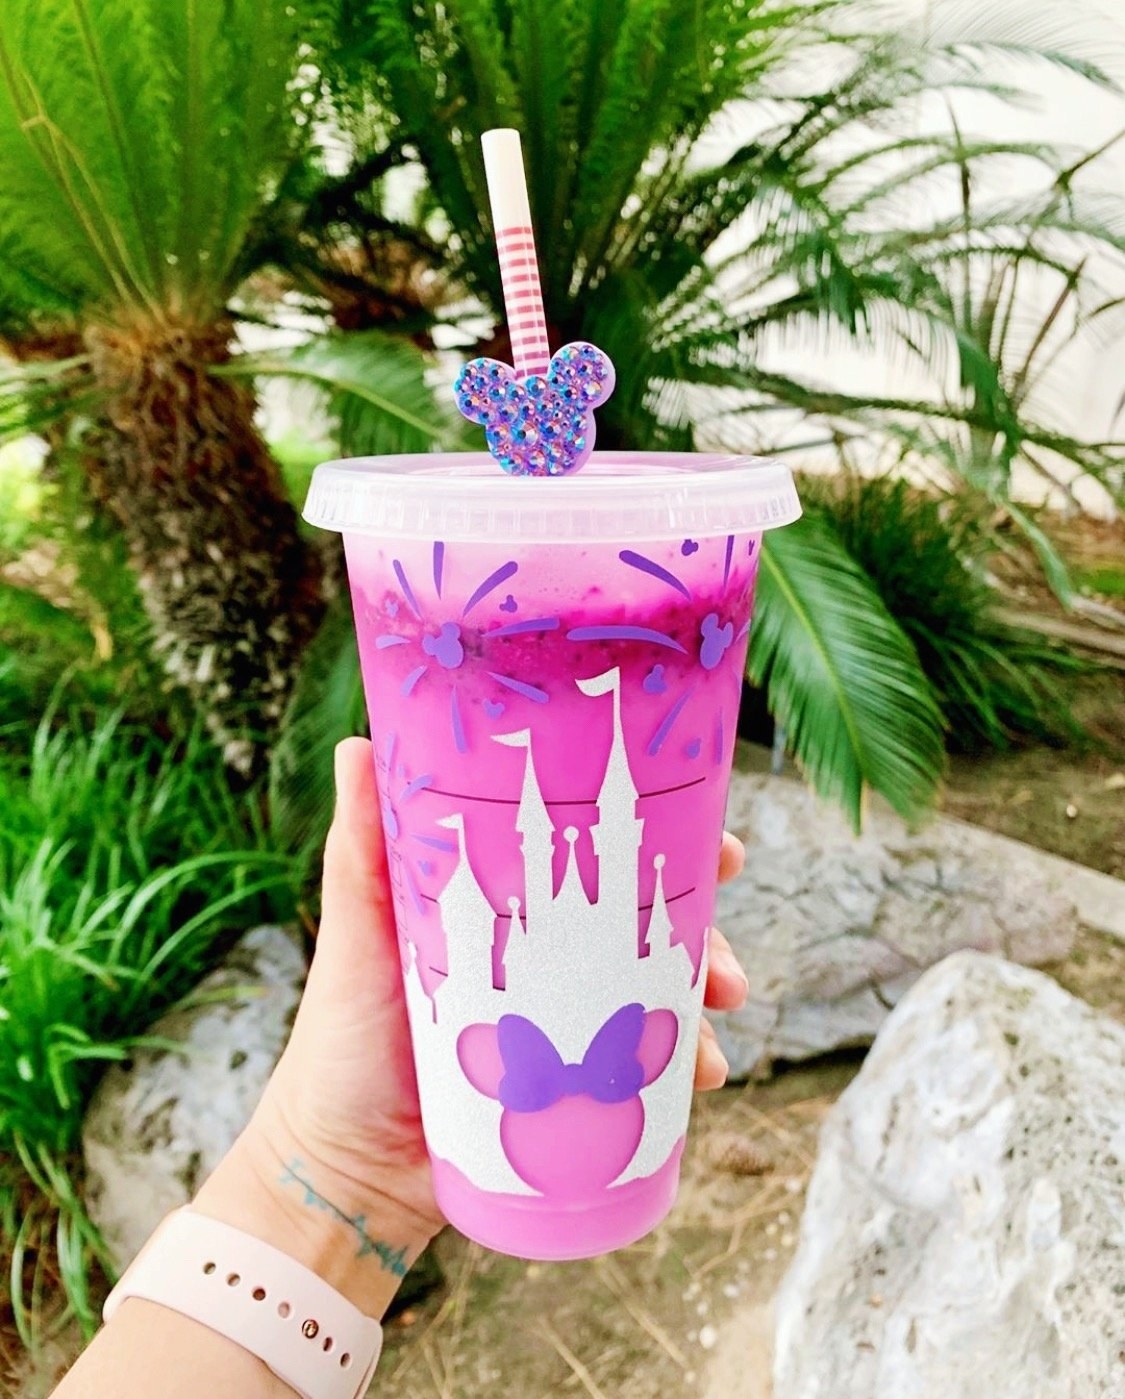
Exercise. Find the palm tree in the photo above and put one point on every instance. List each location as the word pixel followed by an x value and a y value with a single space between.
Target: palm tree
pixel 137 142
pixel 141 143
pixel 693 266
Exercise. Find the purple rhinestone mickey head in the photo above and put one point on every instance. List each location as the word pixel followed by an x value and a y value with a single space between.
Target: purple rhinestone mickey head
pixel 542 425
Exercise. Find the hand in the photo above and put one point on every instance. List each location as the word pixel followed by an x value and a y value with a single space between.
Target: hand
pixel 343 1101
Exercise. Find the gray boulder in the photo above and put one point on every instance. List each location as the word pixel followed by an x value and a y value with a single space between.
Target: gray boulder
pixel 964 1236
pixel 158 1127
pixel 833 928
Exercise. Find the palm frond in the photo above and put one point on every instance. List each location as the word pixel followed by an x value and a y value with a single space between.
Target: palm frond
pixel 37 394
pixel 137 141
pixel 1024 32
pixel 841 675
pixel 374 387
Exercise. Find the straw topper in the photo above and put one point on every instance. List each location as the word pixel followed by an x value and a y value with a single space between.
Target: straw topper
pixel 539 417
pixel 543 424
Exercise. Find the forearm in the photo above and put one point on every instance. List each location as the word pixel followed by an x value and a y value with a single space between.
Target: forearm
pixel 149 1352
pixel 265 1187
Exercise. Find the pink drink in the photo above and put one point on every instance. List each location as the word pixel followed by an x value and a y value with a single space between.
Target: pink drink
pixel 553 671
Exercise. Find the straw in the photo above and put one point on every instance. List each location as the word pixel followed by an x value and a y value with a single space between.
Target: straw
pixel 515 246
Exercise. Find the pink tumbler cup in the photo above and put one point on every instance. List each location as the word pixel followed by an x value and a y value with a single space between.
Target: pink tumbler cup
pixel 552 670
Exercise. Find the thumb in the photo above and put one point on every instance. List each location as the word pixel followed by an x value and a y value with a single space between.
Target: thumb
pixel 357 906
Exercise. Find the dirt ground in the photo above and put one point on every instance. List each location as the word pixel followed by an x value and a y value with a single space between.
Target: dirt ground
pixel 1069 802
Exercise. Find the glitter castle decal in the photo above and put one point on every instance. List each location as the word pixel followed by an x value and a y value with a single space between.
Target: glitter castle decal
pixel 582 1044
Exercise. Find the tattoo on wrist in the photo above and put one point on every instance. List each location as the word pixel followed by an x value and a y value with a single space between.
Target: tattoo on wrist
pixel 391 1260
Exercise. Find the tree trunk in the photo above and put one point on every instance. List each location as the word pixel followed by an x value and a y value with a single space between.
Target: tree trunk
pixel 232 590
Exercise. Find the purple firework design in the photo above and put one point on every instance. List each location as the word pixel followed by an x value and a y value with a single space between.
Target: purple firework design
pixel 716 638
pixel 444 646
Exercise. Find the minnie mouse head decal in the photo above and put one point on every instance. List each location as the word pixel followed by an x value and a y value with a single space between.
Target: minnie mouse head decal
pixel 569 1130
pixel 541 425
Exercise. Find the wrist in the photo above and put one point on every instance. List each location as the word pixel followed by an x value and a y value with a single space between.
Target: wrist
pixel 358 1239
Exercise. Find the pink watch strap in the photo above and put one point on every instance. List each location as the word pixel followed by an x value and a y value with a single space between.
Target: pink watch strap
pixel 293 1321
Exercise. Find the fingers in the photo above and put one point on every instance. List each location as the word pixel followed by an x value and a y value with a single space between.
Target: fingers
pixel 726 989
pixel 732 856
pixel 356 898
pixel 711 1067
pixel 727 985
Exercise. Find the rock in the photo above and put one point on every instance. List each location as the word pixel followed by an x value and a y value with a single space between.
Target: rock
pixel 833 928
pixel 158 1127
pixel 964 1236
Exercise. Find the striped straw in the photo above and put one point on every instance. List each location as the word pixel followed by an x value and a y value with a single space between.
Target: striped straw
pixel 515 245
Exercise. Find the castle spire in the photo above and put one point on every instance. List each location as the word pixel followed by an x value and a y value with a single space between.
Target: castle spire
pixel 537 831
pixel 618 786
pixel 660 928
pixel 618 832
pixel 571 904
pixel 470 935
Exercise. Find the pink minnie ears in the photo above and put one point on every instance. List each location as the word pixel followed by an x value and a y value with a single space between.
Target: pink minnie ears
pixel 542 425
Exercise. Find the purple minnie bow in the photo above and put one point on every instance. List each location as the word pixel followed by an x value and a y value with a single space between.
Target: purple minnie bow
pixel 535 1076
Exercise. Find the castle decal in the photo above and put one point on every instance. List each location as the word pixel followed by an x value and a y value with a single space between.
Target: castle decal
pixel 576 1076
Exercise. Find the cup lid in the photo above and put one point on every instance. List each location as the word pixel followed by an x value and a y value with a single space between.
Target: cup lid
pixel 621 495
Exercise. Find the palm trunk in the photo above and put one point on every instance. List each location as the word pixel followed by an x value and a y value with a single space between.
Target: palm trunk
pixel 232 590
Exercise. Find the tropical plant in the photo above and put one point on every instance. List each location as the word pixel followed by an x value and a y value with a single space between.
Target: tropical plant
pixel 696 269
pixel 928 558
pixel 140 144
pixel 69 605
pixel 833 228
pixel 123 863
pixel 1026 343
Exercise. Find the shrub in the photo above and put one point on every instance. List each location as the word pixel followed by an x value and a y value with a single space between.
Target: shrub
pixel 125 863
pixel 997 684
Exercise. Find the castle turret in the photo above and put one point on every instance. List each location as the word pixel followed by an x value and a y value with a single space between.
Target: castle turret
pixel 660 929
pixel 537 833
pixel 619 830
pixel 470 929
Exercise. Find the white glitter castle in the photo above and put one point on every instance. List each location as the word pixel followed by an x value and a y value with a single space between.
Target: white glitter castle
pixel 568 965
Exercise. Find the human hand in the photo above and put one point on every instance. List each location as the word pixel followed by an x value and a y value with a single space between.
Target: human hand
pixel 339 1132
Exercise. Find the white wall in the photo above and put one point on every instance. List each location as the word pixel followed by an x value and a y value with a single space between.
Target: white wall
pixel 1083 394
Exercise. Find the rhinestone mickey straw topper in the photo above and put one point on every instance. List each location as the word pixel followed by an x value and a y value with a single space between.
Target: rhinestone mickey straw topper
pixel 543 424
pixel 538 417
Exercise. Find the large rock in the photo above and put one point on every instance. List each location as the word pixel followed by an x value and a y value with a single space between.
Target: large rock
pixel 964 1236
pixel 157 1128
pixel 833 928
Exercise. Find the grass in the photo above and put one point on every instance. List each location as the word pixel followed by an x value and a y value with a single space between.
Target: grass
pixel 126 863
pixel 998 685
pixel 1104 579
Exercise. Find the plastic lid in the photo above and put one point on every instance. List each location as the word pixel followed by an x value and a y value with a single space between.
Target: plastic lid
pixel 622 495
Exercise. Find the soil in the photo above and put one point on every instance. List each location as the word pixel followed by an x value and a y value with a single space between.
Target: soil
pixel 1066 801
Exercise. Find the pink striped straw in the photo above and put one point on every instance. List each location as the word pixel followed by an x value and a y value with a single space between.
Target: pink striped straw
pixel 515 245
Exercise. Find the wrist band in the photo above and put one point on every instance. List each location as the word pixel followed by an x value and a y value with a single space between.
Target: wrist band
pixel 311 1337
